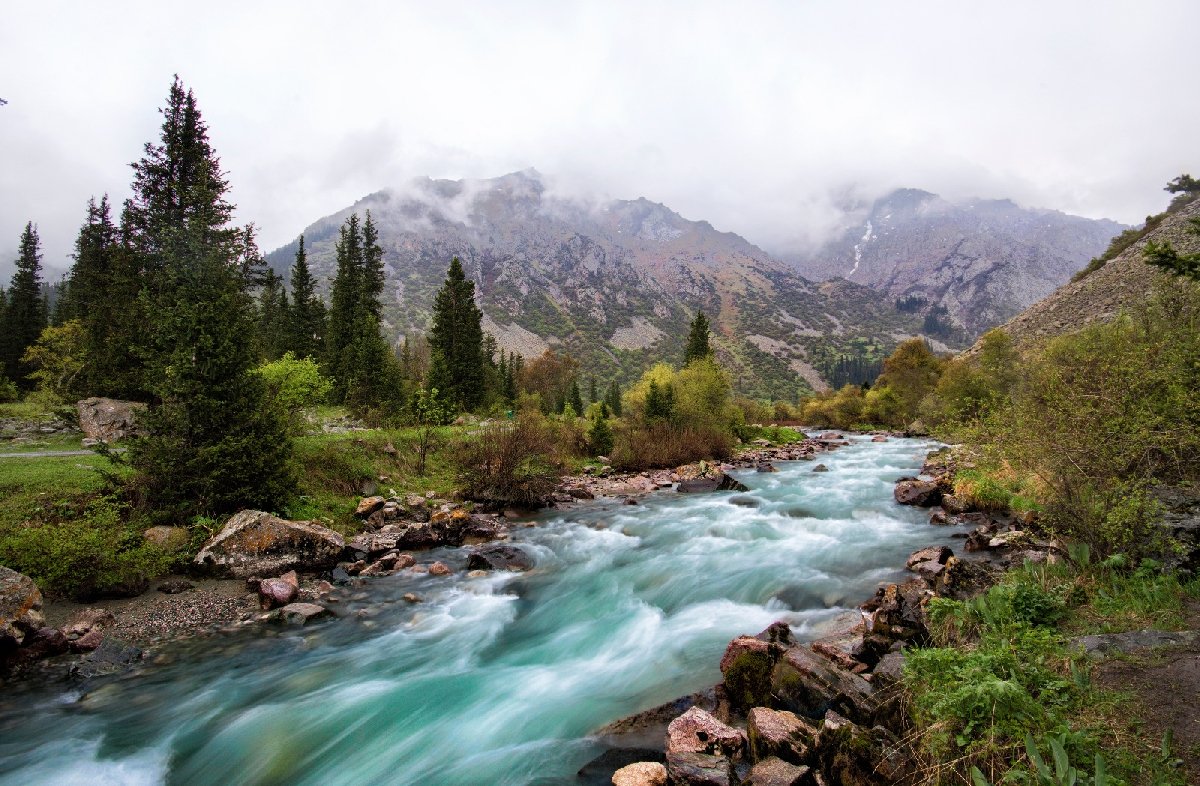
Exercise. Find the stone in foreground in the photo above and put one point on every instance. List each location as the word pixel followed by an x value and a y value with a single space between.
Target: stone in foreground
pixel 20 608
pixel 698 769
pixel 698 731
pixel 642 773
pixel 776 772
pixel 780 734
pixel 302 613
pixel 254 543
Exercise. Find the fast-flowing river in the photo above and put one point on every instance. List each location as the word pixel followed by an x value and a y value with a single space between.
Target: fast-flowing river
pixel 495 680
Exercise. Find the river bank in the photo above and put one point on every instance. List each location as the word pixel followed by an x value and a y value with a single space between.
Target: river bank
pixel 625 607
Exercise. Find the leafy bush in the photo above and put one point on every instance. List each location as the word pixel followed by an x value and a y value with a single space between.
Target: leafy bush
pixel 295 384
pixel 93 552
pixel 510 463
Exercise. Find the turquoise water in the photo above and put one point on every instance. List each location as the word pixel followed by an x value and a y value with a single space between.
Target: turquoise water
pixel 495 680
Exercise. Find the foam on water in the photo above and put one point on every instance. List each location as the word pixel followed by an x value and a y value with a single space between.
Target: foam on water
pixel 498 679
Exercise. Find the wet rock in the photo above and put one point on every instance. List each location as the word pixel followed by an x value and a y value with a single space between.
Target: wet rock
pixel 302 613
pixel 500 556
pixel 698 769
pixel 889 671
pixel 898 611
pixel 955 504
pixel 722 482
pixel 746 669
pixel 776 772
pixel 922 493
pixel 809 685
pixel 256 543
pixel 175 586
pixel 20 609
pixel 109 420
pixel 698 731
pixel 273 593
pixel 412 597
pixel 879 438
pixel 642 773
pixel 765 466
pixel 778 733
pixel 938 518
pixel 440 569
pixel 820 468
pixel 111 657
pixel 744 502
pixel 44 642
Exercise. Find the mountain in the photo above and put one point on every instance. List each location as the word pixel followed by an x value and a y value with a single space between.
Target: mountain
pixel 977 262
pixel 1121 283
pixel 614 284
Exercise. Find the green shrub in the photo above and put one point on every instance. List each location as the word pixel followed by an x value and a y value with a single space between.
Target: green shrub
pixel 95 552
pixel 295 384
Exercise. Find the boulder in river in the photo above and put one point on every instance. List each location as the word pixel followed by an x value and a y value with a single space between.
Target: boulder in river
pixel 722 482
pixel 302 613
pixel 922 493
pixel 499 556
pixel 254 543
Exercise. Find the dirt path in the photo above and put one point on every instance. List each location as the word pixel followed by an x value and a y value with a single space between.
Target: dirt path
pixel 1166 686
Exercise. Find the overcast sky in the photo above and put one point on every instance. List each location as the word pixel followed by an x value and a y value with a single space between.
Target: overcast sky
pixel 756 116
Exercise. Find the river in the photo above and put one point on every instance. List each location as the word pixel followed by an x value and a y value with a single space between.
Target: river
pixel 495 680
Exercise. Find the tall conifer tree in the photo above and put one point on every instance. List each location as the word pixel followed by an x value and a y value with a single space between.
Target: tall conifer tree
pixel 25 314
pixel 456 341
pixel 306 332
pixel 697 343
pixel 215 443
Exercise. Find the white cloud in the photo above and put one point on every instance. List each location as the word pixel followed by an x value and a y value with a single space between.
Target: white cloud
pixel 759 117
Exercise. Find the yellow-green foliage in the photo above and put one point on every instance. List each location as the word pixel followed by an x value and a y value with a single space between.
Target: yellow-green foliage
pixel 58 359
pixel 702 390
pixel 842 409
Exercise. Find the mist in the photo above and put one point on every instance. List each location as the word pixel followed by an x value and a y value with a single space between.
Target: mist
pixel 767 119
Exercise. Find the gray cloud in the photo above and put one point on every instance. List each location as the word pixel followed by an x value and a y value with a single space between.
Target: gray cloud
pixel 762 117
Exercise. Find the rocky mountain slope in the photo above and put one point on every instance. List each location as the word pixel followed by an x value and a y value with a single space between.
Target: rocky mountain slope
pixel 982 261
pixel 614 284
pixel 1122 282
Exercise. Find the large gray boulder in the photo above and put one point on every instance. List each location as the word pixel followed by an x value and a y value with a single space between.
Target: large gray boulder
pixel 254 543
pixel 108 419
pixel 20 609
pixel 807 684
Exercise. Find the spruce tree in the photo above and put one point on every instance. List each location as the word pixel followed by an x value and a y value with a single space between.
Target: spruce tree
pixel 306 331
pixel 366 374
pixel 272 328
pixel 574 398
pixel 613 398
pixel 25 313
pixel 215 443
pixel 456 341
pixel 697 343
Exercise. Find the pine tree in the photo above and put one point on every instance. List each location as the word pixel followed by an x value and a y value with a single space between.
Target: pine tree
pixel 366 374
pixel 613 398
pixel 456 341
pixel 215 443
pixel 272 329
pixel 25 313
pixel 697 343
pixel 307 316
pixel 593 396
pixel 574 398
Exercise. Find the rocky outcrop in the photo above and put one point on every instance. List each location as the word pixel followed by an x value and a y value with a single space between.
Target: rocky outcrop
pixel 109 420
pixel 922 493
pixel 254 543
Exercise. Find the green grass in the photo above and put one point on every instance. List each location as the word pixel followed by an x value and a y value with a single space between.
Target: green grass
pixel 335 467
pixel 1005 672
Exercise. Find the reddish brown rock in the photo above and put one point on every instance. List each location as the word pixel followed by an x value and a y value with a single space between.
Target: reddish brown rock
pixel 698 769
pixel 697 731
pixel 779 733
pixel 937 554
pixel 440 569
pixel 922 493
pixel 256 543
pixel 807 684
pixel 776 772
